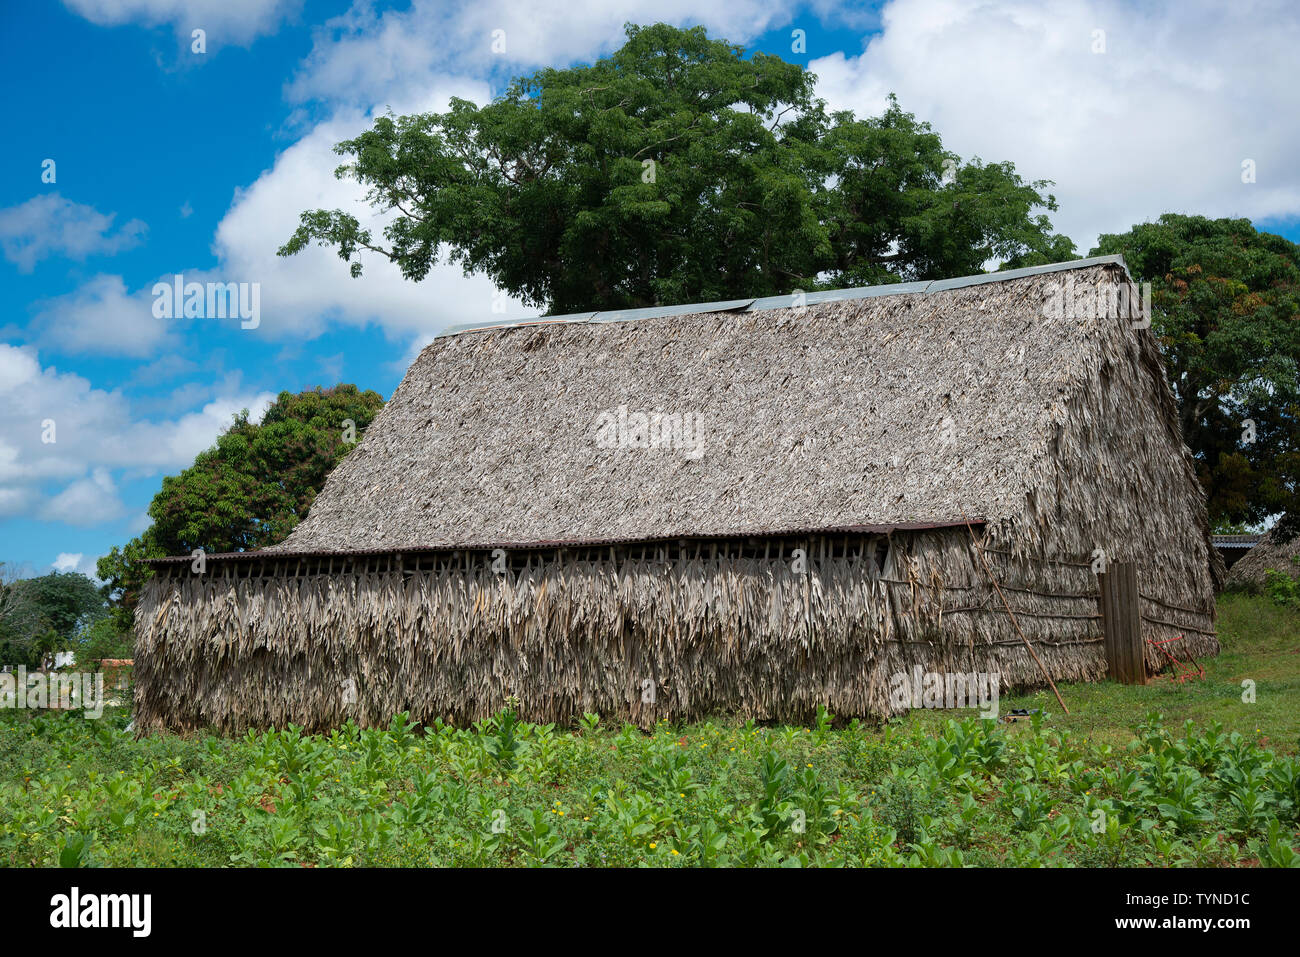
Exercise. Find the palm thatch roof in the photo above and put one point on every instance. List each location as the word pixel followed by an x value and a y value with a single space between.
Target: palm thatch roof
pixel 912 404
pixel 1271 553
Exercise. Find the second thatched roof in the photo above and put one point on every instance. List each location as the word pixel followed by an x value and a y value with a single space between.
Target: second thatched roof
pixel 1249 571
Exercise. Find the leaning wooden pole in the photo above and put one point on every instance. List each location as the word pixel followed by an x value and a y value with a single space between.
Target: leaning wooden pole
pixel 993 578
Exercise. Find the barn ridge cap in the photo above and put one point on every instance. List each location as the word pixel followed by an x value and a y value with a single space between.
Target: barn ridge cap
pixel 914 288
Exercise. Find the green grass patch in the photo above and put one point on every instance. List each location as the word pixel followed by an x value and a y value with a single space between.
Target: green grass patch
pixel 1260 642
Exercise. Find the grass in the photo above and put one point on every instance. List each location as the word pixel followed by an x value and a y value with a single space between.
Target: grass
pixel 1215 782
pixel 1260 641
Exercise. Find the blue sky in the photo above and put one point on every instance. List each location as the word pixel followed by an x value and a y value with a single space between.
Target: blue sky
pixel 170 161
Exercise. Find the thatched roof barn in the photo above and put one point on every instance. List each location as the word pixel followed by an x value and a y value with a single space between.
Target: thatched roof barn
pixel 1271 552
pixel 751 507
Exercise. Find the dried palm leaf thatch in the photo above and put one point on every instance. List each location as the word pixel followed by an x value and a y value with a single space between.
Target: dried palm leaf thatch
pixel 1249 571
pixel 1060 431
pixel 638 635
pixel 878 410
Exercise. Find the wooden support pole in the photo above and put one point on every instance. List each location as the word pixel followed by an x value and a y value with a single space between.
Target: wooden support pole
pixel 1121 623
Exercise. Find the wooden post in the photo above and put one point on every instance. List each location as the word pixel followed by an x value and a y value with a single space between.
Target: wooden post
pixel 1121 623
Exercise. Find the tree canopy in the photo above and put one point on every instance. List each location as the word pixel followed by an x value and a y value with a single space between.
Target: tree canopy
pixel 1226 308
pixel 677 170
pixel 250 489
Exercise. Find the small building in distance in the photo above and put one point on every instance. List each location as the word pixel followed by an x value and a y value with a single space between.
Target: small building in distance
pixel 1235 546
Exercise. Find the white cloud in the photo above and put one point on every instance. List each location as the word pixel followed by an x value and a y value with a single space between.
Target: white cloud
pixel 302 293
pixel 97 439
pixel 66 561
pixel 180 440
pixel 1159 122
pixel 76 562
pixel 225 21
pixel 103 318
pixel 88 501
pixel 363 57
pixel 50 225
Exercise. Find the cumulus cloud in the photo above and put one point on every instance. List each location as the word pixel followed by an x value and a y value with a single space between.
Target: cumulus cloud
pixel 102 317
pixel 76 562
pixel 1156 113
pixel 87 501
pixel 64 445
pixel 236 22
pixel 364 57
pixel 50 225
pixel 303 294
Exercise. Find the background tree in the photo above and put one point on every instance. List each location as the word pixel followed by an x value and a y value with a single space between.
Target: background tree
pixel 1226 308
pixel 677 170
pixel 46 614
pixel 247 491
pixel 19 618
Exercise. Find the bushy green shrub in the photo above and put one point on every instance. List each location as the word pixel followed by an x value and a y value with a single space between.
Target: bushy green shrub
pixel 1283 588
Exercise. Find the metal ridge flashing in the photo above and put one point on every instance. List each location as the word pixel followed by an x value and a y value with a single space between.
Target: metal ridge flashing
pixel 685 309
pixel 918 287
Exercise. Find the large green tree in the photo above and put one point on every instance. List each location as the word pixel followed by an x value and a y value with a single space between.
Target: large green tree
pixel 1226 309
pixel 678 169
pixel 247 491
